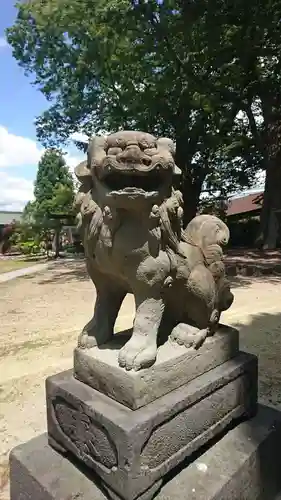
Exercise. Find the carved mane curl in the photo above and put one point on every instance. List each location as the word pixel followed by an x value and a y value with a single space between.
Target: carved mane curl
pixel 90 219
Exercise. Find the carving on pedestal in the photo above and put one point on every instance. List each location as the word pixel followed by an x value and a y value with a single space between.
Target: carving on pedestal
pixel 152 440
pixel 89 438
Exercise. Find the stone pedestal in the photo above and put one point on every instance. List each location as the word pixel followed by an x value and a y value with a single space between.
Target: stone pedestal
pixel 175 366
pixel 138 435
pixel 133 450
pixel 244 464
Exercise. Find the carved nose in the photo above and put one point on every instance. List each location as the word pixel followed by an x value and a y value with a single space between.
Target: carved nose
pixel 130 154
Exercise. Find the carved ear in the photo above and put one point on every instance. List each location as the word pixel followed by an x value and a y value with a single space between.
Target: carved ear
pixel 82 172
pixel 97 149
pixel 166 143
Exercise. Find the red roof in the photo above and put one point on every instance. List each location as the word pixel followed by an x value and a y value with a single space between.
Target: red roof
pixel 245 204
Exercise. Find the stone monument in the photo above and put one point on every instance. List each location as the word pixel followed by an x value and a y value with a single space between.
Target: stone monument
pixel 156 411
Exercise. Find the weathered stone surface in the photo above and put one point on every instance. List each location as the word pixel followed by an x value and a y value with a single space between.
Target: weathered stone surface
pixel 244 464
pixel 131 223
pixel 174 367
pixel 133 450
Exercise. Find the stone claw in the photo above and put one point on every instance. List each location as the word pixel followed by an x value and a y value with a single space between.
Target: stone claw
pixel 139 352
pixel 86 341
pixel 188 335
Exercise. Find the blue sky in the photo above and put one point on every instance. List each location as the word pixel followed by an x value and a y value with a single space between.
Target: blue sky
pixel 20 104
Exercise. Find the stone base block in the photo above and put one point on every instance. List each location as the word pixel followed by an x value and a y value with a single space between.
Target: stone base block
pixel 131 451
pixel 175 366
pixel 243 465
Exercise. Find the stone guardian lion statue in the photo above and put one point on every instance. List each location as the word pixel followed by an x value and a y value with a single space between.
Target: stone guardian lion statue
pixel 131 222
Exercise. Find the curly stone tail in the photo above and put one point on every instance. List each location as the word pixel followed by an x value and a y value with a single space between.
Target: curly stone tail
pixel 208 233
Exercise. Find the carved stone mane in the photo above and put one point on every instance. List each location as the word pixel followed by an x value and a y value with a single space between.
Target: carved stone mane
pixel 131 221
pixel 91 218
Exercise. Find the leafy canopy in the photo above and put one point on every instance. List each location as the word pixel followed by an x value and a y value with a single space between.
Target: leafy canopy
pixel 181 68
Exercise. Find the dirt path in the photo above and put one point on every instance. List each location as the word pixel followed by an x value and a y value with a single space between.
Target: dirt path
pixel 22 270
pixel 42 314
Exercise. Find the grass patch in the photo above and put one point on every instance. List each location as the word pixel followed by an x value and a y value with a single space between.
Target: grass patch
pixel 12 265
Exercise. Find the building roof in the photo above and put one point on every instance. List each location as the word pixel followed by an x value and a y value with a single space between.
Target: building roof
pixel 8 217
pixel 245 204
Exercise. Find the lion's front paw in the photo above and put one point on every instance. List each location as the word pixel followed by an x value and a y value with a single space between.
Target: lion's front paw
pixel 188 335
pixel 139 352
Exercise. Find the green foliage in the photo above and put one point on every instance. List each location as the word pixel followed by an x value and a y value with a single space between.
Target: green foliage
pixel 53 189
pixel 53 192
pixel 179 68
pixel 75 248
pixel 29 248
pixel 27 237
pixel 53 203
pixel 156 66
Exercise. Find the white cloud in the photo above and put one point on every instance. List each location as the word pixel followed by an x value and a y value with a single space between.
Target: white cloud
pixel 73 161
pixel 79 137
pixel 3 42
pixel 15 192
pixel 17 151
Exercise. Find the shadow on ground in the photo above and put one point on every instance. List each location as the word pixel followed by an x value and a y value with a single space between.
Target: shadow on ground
pixel 244 281
pixel 262 337
pixel 75 270
pixel 61 272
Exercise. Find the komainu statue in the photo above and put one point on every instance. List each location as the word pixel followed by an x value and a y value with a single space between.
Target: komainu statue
pixel 131 221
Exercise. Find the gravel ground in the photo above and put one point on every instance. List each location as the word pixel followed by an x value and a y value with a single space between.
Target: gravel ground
pixel 43 313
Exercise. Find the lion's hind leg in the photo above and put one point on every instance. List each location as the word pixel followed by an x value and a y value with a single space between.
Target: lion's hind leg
pixel 200 312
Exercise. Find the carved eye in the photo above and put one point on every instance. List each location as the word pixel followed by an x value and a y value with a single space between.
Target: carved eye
pixel 150 151
pixel 120 143
pixel 145 144
pixel 115 143
pixel 114 151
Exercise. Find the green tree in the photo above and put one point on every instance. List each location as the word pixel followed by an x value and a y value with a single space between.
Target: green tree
pixel 172 68
pixel 253 80
pixel 53 193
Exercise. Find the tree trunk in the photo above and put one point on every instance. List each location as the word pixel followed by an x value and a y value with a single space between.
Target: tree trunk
pixel 269 221
pixel 191 189
pixel 57 242
pixel 269 232
pixel 191 181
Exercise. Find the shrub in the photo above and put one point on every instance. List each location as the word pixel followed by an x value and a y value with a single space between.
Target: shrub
pixel 76 247
pixel 29 247
pixel 6 234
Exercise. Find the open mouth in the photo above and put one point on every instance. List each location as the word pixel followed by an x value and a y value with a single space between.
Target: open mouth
pixel 130 182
